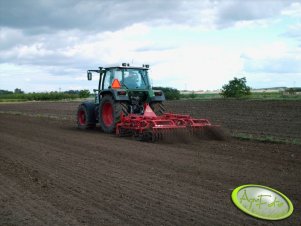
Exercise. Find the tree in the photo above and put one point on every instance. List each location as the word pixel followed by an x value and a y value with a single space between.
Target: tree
pixel 290 91
pixel 72 91
pixel 192 95
pixel 5 92
pixel 236 88
pixel 18 91
pixel 84 93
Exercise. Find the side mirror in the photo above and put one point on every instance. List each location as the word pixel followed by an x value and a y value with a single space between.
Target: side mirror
pixel 89 75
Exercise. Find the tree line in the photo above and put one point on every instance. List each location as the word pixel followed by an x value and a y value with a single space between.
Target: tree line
pixel 21 95
pixel 235 88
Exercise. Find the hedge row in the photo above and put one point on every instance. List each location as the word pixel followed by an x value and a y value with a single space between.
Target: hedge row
pixel 45 96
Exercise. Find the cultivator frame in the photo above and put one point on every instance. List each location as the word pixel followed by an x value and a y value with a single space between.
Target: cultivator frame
pixel 150 127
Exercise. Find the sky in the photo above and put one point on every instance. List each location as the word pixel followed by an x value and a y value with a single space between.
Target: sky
pixel 48 45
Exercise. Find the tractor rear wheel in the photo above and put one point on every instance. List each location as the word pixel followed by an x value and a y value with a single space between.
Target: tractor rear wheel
pixel 158 108
pixel 110 113
pixel 83 121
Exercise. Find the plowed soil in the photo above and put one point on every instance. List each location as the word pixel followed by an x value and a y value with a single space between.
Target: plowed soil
pixel 51 173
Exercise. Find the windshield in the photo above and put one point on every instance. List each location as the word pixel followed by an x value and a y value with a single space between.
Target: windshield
pixel 130 78
pixel 135 78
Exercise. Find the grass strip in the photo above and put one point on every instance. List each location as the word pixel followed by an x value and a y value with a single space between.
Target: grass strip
pixel 266 139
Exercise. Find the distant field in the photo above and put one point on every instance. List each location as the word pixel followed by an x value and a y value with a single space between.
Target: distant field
pixel 254 95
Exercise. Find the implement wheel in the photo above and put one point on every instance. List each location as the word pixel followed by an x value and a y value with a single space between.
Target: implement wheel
pixel 110 113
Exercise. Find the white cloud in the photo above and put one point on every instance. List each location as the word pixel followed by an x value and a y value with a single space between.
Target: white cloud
pixel 272 51
pixel 233 12
pixel 272 59
pixel 37 79
pixel 294 10
pixel 47 48
pixel 196 67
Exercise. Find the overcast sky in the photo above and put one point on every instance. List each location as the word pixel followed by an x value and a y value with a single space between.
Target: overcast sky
pixel 47 45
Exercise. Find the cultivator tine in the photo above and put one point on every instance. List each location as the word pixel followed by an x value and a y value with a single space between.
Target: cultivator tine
pixel 157 136
pixel 125 133
pixel 170 135
pixel 198 132
pixel 166 134
pixel 145 136
pixel 160 136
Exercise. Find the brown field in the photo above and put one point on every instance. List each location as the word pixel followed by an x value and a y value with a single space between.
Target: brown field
pixel 51 173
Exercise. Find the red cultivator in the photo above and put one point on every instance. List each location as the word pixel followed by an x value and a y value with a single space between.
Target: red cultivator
pixel 150 127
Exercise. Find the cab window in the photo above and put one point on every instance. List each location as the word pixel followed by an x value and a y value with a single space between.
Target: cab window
pixel 107 82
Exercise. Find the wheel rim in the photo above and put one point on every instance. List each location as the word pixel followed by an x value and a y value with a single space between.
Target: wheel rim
pixel 107 114
pixel 81 117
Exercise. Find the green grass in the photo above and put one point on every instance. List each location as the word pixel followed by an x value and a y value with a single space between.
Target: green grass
pixel 266 139
pixel 203 96
pixel 274 96
pixel 10 100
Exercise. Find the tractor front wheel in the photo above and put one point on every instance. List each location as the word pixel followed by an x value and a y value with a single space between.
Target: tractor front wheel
pixel 110 113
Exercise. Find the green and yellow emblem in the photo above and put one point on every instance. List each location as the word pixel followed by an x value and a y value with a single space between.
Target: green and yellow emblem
pixel 262 202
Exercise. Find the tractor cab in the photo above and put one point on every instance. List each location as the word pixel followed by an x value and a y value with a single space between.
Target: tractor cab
pixel 126 77
pixel 123 82
pixel 129 77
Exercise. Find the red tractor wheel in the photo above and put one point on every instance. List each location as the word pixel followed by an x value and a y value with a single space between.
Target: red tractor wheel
pixel 110 113
pixel 83 118
pixel 107 114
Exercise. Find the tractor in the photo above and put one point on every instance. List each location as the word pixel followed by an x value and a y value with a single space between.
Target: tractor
pixel 126 104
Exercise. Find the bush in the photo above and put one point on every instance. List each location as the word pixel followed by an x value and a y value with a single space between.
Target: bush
pixel 84 93
pixel 170 93
pixel 236 88
pixel 192 95
pixel 292 91
pixel 72 92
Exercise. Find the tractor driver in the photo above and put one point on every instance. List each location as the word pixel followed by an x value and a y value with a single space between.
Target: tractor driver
pixel 131 80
